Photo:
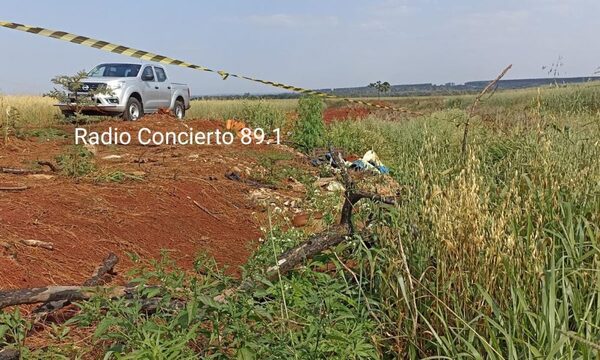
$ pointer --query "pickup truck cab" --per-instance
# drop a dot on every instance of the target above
(135, 90)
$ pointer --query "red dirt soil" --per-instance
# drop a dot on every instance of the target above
(86, 220)
(344, 113)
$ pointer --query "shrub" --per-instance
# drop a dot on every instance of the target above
(310, 128)
(263, 115)
(76, 161)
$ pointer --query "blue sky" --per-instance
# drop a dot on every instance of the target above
(308, 43)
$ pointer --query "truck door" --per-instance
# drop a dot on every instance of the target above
(164, 88)
(149, 89)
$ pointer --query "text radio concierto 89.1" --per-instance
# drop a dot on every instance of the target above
(146, 136)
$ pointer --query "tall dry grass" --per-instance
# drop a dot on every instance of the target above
(496, 255)
(35, 111)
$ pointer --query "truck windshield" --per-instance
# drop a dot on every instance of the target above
(115, 70)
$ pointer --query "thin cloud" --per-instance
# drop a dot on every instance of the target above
(292, 21)
(383, 16)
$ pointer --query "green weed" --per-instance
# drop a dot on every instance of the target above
(77, 161)
(309, 130)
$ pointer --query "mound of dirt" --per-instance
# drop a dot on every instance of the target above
(146, 199)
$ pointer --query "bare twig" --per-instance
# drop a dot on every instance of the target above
(14, 188)
(473, 107)
(52, 167)
(205, 210)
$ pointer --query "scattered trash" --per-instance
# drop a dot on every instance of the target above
(112, 157)
(330, 183)
(336, 186)
(369, 162)
(235, 126)
(37, 243)
(265, 197)
(41, 176)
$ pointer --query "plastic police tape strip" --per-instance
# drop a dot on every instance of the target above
(148, 56)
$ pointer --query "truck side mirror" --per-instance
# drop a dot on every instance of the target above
(147, 77)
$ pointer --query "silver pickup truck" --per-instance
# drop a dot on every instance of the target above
(135, 90)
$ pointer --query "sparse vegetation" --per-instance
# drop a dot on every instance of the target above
(76, 162)
(309, 131)
(262, 114)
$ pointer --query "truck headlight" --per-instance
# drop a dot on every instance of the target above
(116, 85)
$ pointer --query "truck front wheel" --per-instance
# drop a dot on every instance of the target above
(133, 110)
(179, 110)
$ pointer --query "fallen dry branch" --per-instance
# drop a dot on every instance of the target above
(52, 167)
(14, 188)
(38, 243)
(70, 294)
(205, 210)
(51, 293)
(19, 171)
(473, 107)
(105, 268)
(15, 171)
(98, 278)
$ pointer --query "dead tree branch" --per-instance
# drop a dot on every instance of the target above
(97, 278)
(18, 171)
(14, 188)
(52, 167)
(206, 210)
(53, 293)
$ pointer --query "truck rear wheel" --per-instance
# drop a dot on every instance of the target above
(179, 110)
(133, 110)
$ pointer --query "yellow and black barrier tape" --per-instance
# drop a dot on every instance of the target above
(148, 56)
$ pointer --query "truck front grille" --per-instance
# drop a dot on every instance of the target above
(87, 87)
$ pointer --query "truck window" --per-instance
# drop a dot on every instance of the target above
(148, 74)
(115, 70)
(161, 76)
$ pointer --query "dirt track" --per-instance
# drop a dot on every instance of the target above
(85, 220)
